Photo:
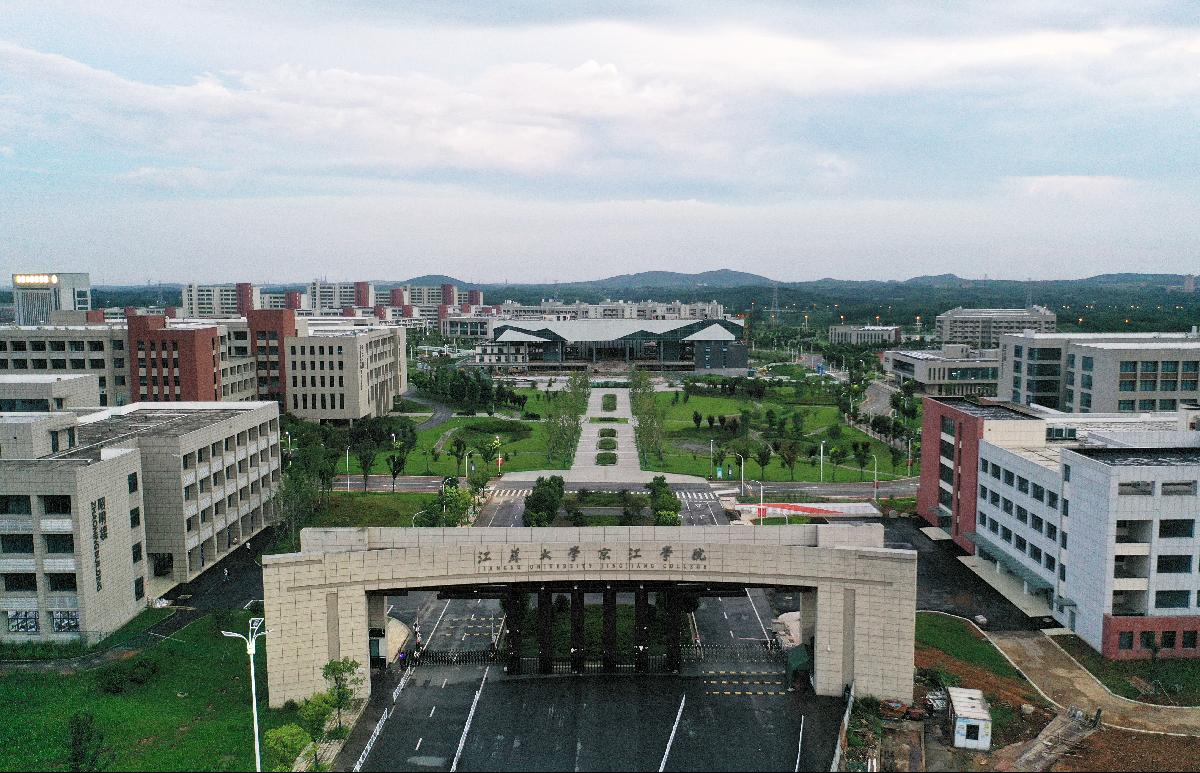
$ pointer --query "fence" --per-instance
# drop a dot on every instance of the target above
(362, 758)
(840, 748)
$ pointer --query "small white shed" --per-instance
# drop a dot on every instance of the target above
(970, 718)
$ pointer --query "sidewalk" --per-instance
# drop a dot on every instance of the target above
(1067, 683)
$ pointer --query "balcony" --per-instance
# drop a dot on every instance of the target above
(1129, 603)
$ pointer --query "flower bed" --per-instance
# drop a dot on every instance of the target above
(606, 458)
(607, 444)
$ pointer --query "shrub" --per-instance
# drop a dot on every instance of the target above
(606, 458)
(608, 432)
(607, 444)
(284, 745)
(115, 679)
(609, 402)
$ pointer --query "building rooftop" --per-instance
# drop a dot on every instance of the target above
(102, 428)
(42, 378)
(968, 703)
(1143, 457)
(961, 311)
(1101, 337)
(617, 329)
(989, 411)
(973, 355)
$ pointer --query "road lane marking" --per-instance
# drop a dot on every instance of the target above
(667, 752)
(470, 718)
(447, 679)
(754, 606)
(800, 744)
(418, 746)
(432, 710)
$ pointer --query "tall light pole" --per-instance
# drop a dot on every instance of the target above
(466, 464)
(710, 457)
(250, 638)
(822, 461)
(762, 509)
(742, 477)
(875, 492)
(347, 469)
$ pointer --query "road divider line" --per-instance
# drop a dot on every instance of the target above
(667, 752)
(470, 718)
(800, 744)
(766, 636)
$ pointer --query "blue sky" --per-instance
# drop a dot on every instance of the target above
(534, 141)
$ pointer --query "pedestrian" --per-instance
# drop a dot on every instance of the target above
(226, 571)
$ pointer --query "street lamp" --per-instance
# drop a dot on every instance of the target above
(710, 457)
(822, 461)
(876, 489)
(347, 469)
(250, 638)
(414, 518)
(742, 484)
(762, 509)
(466, 463)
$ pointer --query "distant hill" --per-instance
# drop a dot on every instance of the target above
(1153, 280)
(668, 279)
(937, 280)
(426, 280)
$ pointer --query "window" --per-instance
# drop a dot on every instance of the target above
(135, 517)
(983, 466)
(1022, 485)
(1009, 478)
(20, 583)
(1125, 640)
(139, 588)
(1036, 523)
(1125, 406)
(16, 543)
(56, 504)
(1038, 493)
(15, 504)
(1189, 637)
(1035, 553)
(972, 732)
(137, 552)
(1136, 488)
(1149, 367)
(59, 543)
(1051, 500)
(1146, 405)
(1147, 638)
(1168, 637)
(1050, 562)
(1172, 599)
(61, 582)
(1176, 528)
(1051, 531)
(1020, 543)
(1174, 564)
(22, 622)
(64, 621)
(1179, 488)
(132, 481)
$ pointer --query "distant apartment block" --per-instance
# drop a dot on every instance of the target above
(102, 512)
(1101, 372)
(955, 369)
(864, 335)
(43, 393)
(1091, 517)
(342, 374)
(37, 296)
(338, 295)
(982, 328)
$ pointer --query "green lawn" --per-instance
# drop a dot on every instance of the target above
(1115, 674)
(361, 508)
(686, 446)
(527, 453)
(781, 520)
(958, 639)
(193, 715)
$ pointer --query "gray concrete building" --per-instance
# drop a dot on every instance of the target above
(102, 511)
(864, 335)
(1101, 372)
(345, 373)
(982, 328)
(37, 296)
(44, 393)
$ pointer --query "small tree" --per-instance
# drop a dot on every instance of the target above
(284, 744)
(861, 452)
(396, 466)
(711, 421)
(344, 680)
(458, 449)
(763, 457)
(314, 716)
(365, 454)
(837, 455)
(789, 453)
(85, 744)
(696, 418)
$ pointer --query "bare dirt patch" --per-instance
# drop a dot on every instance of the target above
(1116, 750)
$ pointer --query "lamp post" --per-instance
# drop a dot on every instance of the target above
(742, 475)
(710, 457)
(250, 638)
(822, 461)
(347, 469)
(762, 509)
(466, 464)
(414, 518)
(875, 491)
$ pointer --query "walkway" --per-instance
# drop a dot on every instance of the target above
(1067, 683)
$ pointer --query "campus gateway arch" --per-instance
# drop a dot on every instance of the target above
(321, 603)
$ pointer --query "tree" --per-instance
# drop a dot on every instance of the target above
(897, 456)
(711, 421)
(789, 453)
(458, 449)
(365, 455)
(295, 501)
(396, 466)
(861, 452)
(763, 457)
(344, 680)
(696, 417)
(85, 745)
(314, 717)
(837, 455)
(719, 456)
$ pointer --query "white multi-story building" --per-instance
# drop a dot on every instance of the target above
(227, 300)
(1101, 372)
(338, 295)
(343, 373)
(37, 296)
(864, 335)
(1093, 516)
(982, 328)
(101, 512)
(955, 369)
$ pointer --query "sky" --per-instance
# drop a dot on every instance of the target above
(523, 141)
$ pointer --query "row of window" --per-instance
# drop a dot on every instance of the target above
(55, 345)
(1146, 488)
(1166, 640)
(56, 363)
(1160, 366)
(1023, 485)
(337, 401)
(303, 381)
(61, 621)
(1150, 385)
(1023, 546)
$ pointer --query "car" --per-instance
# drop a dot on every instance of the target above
(980, 621)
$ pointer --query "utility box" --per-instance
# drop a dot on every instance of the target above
(970, 719)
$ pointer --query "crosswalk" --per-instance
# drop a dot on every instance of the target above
(685, 496)
(748, 683)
